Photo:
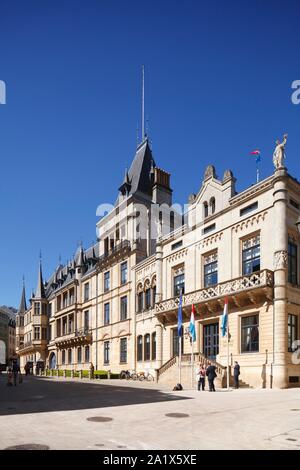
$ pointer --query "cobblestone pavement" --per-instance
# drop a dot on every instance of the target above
(113, 414)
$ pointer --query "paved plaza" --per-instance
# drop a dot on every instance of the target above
(115, 414)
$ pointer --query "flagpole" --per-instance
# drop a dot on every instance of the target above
(192, 377)
(227, 353)
(257, 170)
(179, 359)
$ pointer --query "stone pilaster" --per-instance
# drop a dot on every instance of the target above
(159, 268)
(280, 234)
(159, 344)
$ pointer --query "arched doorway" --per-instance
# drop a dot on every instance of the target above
(52, 361)
(2, 352)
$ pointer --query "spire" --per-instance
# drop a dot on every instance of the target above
(80, 260)
(23, 306)
(40, 290)
(143, 103)
(126, 185)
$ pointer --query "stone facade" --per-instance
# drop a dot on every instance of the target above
(115, 305)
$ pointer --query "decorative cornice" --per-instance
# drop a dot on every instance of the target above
(255, 219)
(210, 240)
(177, 256)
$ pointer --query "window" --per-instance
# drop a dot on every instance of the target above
(69, 356)
(86, 291)
(124, 273)
(37, 332)
(63, 356)
(123, 315)
(208, 229)
(153, 355)
(79, 355)
(70, 324)
(211, 269)
(106, 352)
(251, 255)
(292, 332)
(153, 295)
(123, 350)
(71, 296)
(248, 209)
(87, 354)
(250, 334)
(212, 204)
(172, 221)
(106, 248)
(86, 320)
(178, 280)
(139, 348)
(294, 203)
(64, 325)
(292, 263)
(147, 298)
(147, 347)
(44, 333)
(65, 300)
(140, 302)
(106, 281)
(106, 314)
(176, 245)
(205, 209)
(37, 308)
(58, 305)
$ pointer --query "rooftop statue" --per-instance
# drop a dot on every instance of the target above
(279, 153)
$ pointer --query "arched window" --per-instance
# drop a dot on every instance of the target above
(79, 355)
(205, 209)
(153, 338)
(139, 348)
(172, 221)
(147, 347)
(87, 354)
(212, 204)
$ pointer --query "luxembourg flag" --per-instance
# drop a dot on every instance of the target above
(257, 154)
(224, 325)
(192, 325)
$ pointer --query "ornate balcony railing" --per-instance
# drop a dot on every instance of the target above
(258, 280)
(83, 335)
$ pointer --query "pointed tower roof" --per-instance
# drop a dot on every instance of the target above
(80, 259)
(125, 186)
(139, 173)
(40, 290)
(23, 307)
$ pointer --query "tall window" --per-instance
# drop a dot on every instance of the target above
(123, 350)
(36, 332)
(106, 281)
(205, 209)
(211, 269)
(153, 349)
(123, 315)
(292, 263)
(106, 314)
(106, 352)
(140, 301)
(292, 332)
(251, 255)
(147, 298)
(69, 356)
(71, 296)
(63, 356)
(86, 320)
(37, 308)
(65, 300)
(147, 347)
(250, 334)
(153, 295)
(70, 324)
(86, 291)
(87, 354)
(212, 204)
(79, 355)
(124, 272)
(178, 280)
(139, 348)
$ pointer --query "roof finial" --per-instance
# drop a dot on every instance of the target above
(143, 103)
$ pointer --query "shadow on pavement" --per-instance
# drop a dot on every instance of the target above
(38, 395)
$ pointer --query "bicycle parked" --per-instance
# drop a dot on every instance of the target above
(145, 376)
(127, 374)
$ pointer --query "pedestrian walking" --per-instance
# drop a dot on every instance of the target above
(200, 377)
(211, 375)
(236, 373)
(9, 377)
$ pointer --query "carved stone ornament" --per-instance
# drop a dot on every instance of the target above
(280, 259)
(210, 172)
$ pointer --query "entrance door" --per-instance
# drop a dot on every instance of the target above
(175, 342)
(211, 340)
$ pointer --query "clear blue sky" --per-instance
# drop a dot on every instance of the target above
(218, 85)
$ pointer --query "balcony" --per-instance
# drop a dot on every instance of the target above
(117, 251)
(80, 336)
(251, 289)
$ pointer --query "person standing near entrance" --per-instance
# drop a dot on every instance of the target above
(211, 375)
(236, 373)
(15, 371)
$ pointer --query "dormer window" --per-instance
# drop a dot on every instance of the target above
(212, 204)
(205, 209)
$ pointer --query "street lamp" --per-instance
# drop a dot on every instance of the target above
(298, 224)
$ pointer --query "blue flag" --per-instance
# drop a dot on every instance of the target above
(224, 324)
(180, 316)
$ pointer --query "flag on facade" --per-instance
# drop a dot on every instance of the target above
(180, 316)
(192, 325)
(224, 325)
(257, 155)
